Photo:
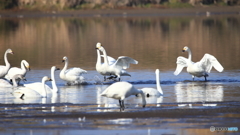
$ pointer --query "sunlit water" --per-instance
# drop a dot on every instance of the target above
(155, 42)
(180, 88)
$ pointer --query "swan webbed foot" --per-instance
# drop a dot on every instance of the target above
(112, 77)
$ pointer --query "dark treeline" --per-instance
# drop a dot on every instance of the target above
(91, 4)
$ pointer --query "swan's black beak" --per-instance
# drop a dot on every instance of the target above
(96, 48)
(183, 50)
(63, 61)
(29, 69)
(49, 79)
(57, 68)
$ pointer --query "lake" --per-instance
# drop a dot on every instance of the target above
(155, 42)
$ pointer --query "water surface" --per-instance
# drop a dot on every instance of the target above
(155, 42)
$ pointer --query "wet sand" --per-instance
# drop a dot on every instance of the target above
(85, 116)
(165, 110)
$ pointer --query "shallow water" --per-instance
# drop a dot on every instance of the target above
(155, 42)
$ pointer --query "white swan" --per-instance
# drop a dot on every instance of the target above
(151, 91)
(25, 92)
(198, 69)
(111, 61)
(101, 67)
(4, 69)
(37, 85)
(6, 83)
(15, 70)
(117, 68)
(122, 90)
(72, 75)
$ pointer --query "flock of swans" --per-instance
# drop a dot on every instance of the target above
(110, 68)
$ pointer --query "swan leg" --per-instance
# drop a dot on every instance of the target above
(205, 78)
(121, 103)
(193, 77)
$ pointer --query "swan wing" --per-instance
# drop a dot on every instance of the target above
(75, 71)
(111, 60)
(28, 93)
(181, 63)
(208, 61)
(124, 62)
(13, 71)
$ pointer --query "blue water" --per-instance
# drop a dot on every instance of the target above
(219, 87)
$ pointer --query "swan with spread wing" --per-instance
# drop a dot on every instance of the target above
(114, 67)
(198, 69)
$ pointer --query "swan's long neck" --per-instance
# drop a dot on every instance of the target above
(143, 98)
(54, 86)
(98, 58)
(23, 66)
(6, 60)
(44, 92)
(189, 55)
(105, 57)
(62, 73)
(158, 84)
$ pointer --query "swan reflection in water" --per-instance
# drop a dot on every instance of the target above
(105, 102)
(198, 92)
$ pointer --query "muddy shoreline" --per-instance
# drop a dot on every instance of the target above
(171, 110)
(126, 12)
(65, 116)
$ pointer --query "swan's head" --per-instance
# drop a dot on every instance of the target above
(9, 51)
(64, 59)
(157, 71)
(54, 68)
(99, 46)
(185, 49)
(26, 64)
(45, 78)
